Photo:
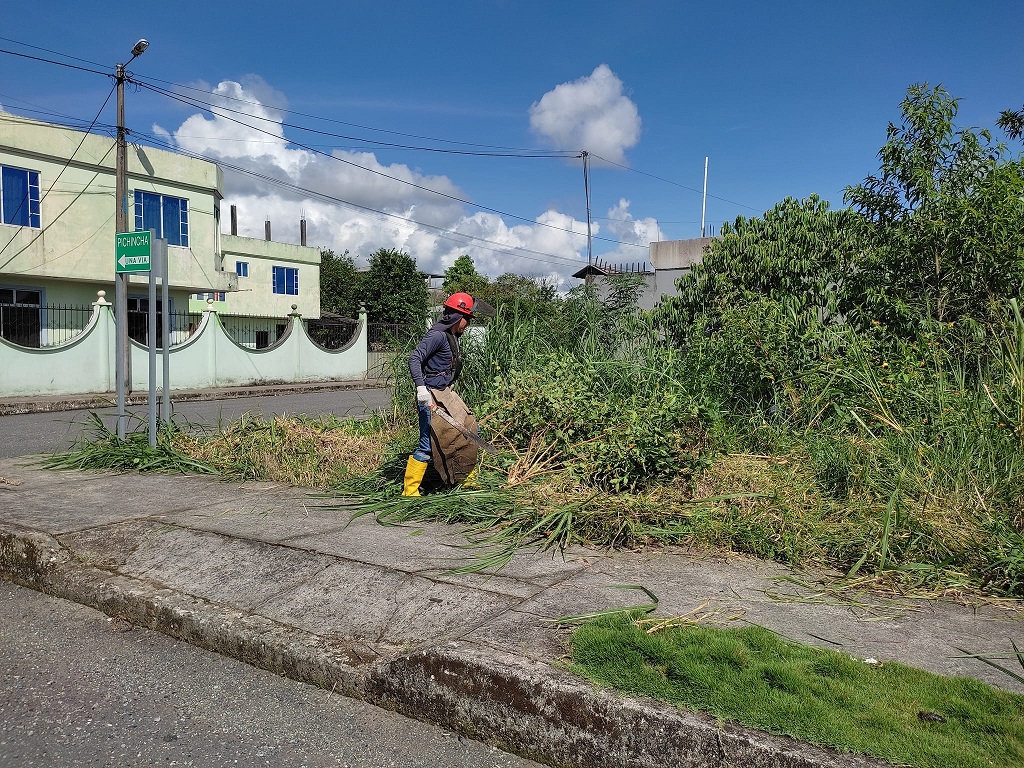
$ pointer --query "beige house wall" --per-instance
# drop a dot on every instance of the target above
(255, 294)
(77, 186)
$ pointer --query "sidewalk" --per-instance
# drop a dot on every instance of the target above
(10, 406)
(263, 573)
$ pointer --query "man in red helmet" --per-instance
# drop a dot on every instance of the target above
(435, 364)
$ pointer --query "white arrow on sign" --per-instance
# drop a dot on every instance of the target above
(126, 260)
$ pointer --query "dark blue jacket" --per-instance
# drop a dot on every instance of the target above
(431, 363)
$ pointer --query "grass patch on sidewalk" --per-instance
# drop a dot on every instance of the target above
(754, 677)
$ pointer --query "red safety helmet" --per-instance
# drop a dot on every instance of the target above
(461, 302)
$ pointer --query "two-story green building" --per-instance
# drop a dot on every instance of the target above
(57, 213)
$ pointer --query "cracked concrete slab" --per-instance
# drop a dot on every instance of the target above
(379, 605)
(207, 565)
(259, 511)
(522, 632)
(104, 499)
(431, 551)
(256, 571)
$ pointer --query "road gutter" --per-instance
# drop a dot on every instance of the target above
(522, 706)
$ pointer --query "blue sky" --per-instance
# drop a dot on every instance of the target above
(787, 99)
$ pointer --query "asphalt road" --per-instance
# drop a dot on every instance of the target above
(81, 689)
(35, 433)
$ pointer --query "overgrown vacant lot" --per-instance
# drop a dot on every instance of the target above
(841, 389)
(837, 388)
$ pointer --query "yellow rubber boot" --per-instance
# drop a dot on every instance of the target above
(414, 471)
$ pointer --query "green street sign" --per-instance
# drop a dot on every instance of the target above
(132, 251)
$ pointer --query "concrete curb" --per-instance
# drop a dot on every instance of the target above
(20, 405)
(519, 705)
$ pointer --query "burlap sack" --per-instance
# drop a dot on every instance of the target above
(454, 455)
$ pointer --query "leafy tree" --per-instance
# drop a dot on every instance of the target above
(510, 287)
(462, 276)
(798, 255)
(948, 216)
(394, 289)
(340, 284)
(1012, 121)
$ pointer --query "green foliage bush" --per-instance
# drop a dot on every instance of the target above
(393, 289)
(589, 417)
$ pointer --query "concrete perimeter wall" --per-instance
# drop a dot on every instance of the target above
(208, 358)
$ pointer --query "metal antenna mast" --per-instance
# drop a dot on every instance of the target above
(704, 202)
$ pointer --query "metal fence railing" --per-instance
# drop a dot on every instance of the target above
(182, 326)
(35, 325)
(47, 325)
(331, 331)
(30, 325)
(255, 331)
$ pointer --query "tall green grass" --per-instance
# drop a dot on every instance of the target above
(895, 459)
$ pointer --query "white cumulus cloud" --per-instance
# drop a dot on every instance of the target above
(592, 113)
(353, 202)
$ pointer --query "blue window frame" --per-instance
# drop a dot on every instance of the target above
(286, 280)
(242, 268)
(166, 215)
(19, 197)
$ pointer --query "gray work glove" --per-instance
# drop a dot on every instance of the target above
(423, 396)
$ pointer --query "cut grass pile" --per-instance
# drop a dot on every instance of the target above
(101, 449)
(769, 506)
(754, 677)
(314, 452)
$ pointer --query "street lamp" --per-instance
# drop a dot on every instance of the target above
(139, 49)
(123, 361)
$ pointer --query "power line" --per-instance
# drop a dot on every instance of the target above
(146, 81)
(510, 151)
(460, 237)
(67, 120)
(47, 50)
(199, 104)
(26, 270)
(674, 183)
(55, 218)
(532, 153)
(630, 221)
(58, 63)
(563, 154)
(342, 122)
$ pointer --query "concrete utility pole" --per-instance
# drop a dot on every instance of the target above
(586, 187)
(122, 368)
